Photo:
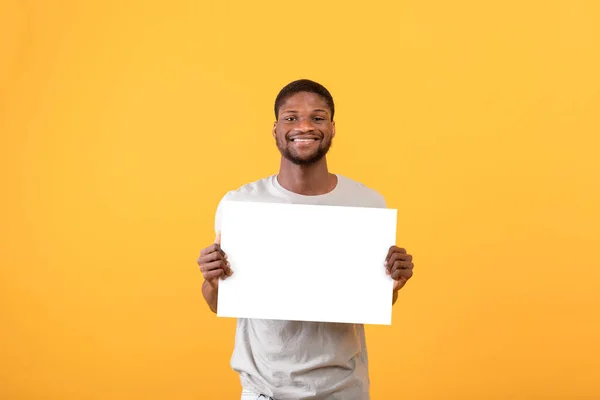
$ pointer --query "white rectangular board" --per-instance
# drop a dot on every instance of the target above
(307, 262)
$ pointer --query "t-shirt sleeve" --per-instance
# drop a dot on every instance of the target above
(377, 200)
(381, 203)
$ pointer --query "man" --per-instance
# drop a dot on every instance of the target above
(291, 359)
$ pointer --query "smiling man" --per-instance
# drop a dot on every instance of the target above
(287, 360)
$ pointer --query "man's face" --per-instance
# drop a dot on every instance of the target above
(304, 128)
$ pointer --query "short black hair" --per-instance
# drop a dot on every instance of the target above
(303, 85)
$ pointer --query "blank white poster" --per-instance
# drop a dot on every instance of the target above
(307, 263)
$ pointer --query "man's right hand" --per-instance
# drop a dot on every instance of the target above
(213, 262)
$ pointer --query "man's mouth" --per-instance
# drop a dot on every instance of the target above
(304, 139)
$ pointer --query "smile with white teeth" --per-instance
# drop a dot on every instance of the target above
(304, 140)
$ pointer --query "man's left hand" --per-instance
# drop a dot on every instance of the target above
(399, 265)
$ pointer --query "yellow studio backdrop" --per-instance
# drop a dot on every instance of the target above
(123, 124)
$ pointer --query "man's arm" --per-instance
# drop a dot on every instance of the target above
(210, 291)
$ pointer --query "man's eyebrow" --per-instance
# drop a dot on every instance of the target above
(315, 110)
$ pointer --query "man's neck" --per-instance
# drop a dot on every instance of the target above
(307, 180)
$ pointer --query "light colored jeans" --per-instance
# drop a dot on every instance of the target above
(247, 395)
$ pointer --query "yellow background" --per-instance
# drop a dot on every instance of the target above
(123, 123)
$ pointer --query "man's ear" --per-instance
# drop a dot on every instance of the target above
(275, 129)
(332, 129)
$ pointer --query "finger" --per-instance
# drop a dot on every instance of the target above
(213, 265)
(213, 274)
(401, 265)
(397, 257)
(227, 269)
(219, 263)
(402, 273)
(214, 256)
(218, 238)
(391, 251)
(212, 248)
(389, 254)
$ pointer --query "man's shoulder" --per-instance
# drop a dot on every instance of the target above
(249, 190)
(259, 190)
(367, 194)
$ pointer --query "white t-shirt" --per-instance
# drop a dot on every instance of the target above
(295, 360)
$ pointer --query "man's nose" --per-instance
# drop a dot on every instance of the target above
(304, 125)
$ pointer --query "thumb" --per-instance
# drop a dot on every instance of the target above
(218, 238)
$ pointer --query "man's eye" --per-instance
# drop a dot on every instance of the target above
(319, 119)
(290, 118)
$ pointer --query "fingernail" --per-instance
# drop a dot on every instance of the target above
(225, 256)
(385, 263)
(228, 264)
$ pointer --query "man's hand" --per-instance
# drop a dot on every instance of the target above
(213, 262)
(213, 265)
(399, 265)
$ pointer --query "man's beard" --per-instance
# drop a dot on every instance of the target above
(290, 155)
